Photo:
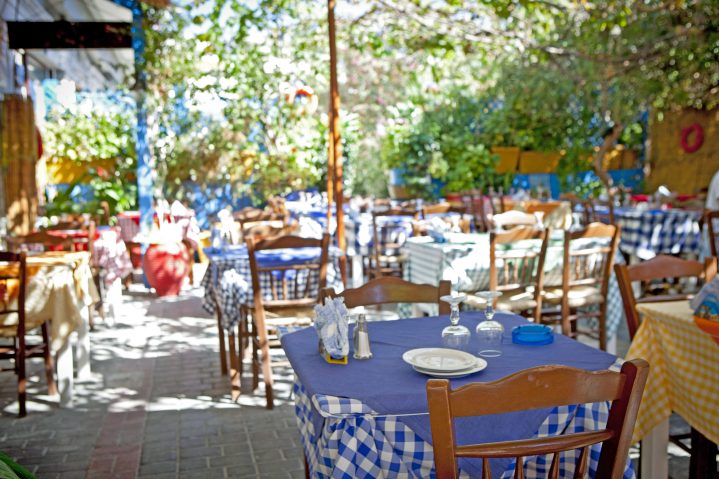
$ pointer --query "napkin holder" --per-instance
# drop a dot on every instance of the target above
(325, 355)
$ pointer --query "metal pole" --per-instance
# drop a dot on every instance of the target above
(335, 138)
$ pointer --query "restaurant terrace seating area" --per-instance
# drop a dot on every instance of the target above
(495, 257)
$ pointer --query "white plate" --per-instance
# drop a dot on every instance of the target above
(481, 364)
(442, 360)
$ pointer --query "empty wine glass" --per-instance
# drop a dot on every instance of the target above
(455, 335)
(489, 331)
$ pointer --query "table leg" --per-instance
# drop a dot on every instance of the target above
(83, 346)
(113, 296)
(612, 345)
(65, 380)
(357, 271)
(654, 452)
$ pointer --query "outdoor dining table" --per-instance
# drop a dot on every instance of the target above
(466, 265)
(646, 233)
(683, 378)
(229, 280)
(60, 288)
(370, 418)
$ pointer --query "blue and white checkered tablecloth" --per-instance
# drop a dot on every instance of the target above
(648, 233)
(344, 438)
(467, 267)
(229, 277)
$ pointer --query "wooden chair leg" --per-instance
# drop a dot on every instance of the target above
(223, 351)
(234, 367)
(266, 368)
(603, 326)
(703, 459)
(21, 376)
(255, 358)
(49, 364)
(566, 326)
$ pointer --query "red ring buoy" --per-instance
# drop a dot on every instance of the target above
(698, 132)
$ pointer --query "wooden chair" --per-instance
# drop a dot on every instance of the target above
(13, 276)
(590, 207)
(387, 257)
(281, 300)
(540, 387)
(444, 209)
(585, 280)
(712, 232)
(542, 207)
(513, 218)
(43, 241)
(661, 267)
(517, 273)
(482, 210)
(391, 290)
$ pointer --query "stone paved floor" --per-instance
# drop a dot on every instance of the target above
(157, 407)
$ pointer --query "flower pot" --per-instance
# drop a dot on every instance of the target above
(166, 266)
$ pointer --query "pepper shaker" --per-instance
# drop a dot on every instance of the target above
(361, 339)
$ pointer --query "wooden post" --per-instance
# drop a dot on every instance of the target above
(336, 140)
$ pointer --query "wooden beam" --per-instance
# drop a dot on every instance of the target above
(62, 34)
(336, 139)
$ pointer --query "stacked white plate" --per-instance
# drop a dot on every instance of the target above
(443, 363)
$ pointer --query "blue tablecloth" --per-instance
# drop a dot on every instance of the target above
(388, 386)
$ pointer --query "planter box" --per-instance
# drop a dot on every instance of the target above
(508, 158)
(538, 162)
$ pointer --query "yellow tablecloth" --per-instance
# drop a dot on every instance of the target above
(59, 287)
(684, 369)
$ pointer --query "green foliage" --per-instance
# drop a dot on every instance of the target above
(441, 142)
(95, 131)
(10, 469)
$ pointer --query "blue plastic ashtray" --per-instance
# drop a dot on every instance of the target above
(532, 334)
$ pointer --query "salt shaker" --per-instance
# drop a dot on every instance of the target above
(361, 339)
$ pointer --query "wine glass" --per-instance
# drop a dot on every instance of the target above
(455, 335)
(489, 331)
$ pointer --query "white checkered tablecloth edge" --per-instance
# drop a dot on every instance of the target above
(354, 441)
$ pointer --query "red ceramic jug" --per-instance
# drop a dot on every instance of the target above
(166, 266)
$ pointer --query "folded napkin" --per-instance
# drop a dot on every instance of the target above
(331, 322)
(706, 303)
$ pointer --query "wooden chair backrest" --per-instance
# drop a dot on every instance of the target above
(657, 268)
(513, 218)
(66, 225)
(520, 267)
(591, 214)
(42, 238)
(383, 231)
(712, 232)
(437, 208)
(286, 281)
(591, 265)
(539, 207)
(13, 274)
(263, 230)
(391, 290)
(540, 387)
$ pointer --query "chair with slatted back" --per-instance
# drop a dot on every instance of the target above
(545, 208)
(39, 240)
(516, 271)
(389, 233)
(14, 326)
(712, 230)
(600, 211)
(535, 388)
(391, 290)
(511, 219)
(662, 268)
(284, 296)
(588, 258)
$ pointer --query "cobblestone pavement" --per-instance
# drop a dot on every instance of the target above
(158, 407)
(155, 407)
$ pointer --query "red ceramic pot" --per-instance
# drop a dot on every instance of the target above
(166, 266)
